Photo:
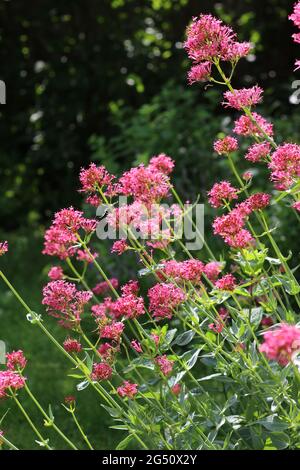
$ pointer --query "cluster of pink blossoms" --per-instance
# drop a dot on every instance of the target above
(95, 179)
(72, 346)
(10, 381)
(61, 238)
(221, 193)
(246, 127)
(56, 273)
(295, 17)
(231, 226)
(65, 302)
(281, 344)
(226, 283)
(127, 389)
(258, 152)
(164, 298)
(16, 360)
(165, 365)
(3, 248)
(285, 166)
(148, 184)
(226, 145)
(103, 287)
(209, 40)
(244, 98)
(101, 371)
(189, 270)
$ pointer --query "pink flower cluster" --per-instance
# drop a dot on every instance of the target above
(295, 17)
(221, 193)
(95, 179)
(65, 302)
(247, 127)
(244, 98)
(61, 238)
(164, 298)
(10, 380)
(226, 283)
(189, 270)
(3, 248)
(104, 287)
(55, 273)
(165, 365)
(101, 371)
(231, 226)
(258, 152)
(72, 346)
(226, 145)
(209, 40)
(148, 184)
(281, 344)
(16, 360)
(285, 166)
(127, 389)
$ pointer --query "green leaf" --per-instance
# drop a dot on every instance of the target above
(272, 423)
(124, 443)
(184, 338)
(82, 385)
(114, 412)
(280, 440)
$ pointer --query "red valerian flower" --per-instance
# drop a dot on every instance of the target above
(285, 166)
(55, 273)
(65, 302)
(258, 152)
(16, 360)
(164, 364)
(227, 283)
(119, 247)
(295, 16)
(226, 145)
(212, 270)
(220, 193)
(93, 179)
(164, 298)
(246, 127)
(3, 248)
(136, 346)
(199, 73)
(101, 371)
(127, 389)
(112, 331)
(176, 389)
(104, 287)
(281, 344)
(244, 98)
(10, 379)
(72, 345)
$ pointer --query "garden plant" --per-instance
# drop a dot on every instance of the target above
(198, 350)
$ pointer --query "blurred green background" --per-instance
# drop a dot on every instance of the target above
(106, 81)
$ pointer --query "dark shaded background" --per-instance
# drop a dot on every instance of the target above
(106, 79)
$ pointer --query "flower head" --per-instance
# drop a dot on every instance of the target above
(65, 302)
(246, 127)
(103, 287)
(119, 247)
(127, 389)
(101, 371)
(226, 145)
(164, 298)
(164, 364)
(199, 73)
(10, 379)
(72, 345)
(227, 283)
(136, 346)
(281, 344)
(244, 98)
(16, 360)
(221, 193)
(258, 152)
(285, 166)
(295, 17)
(55, 273)
(3, 248)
